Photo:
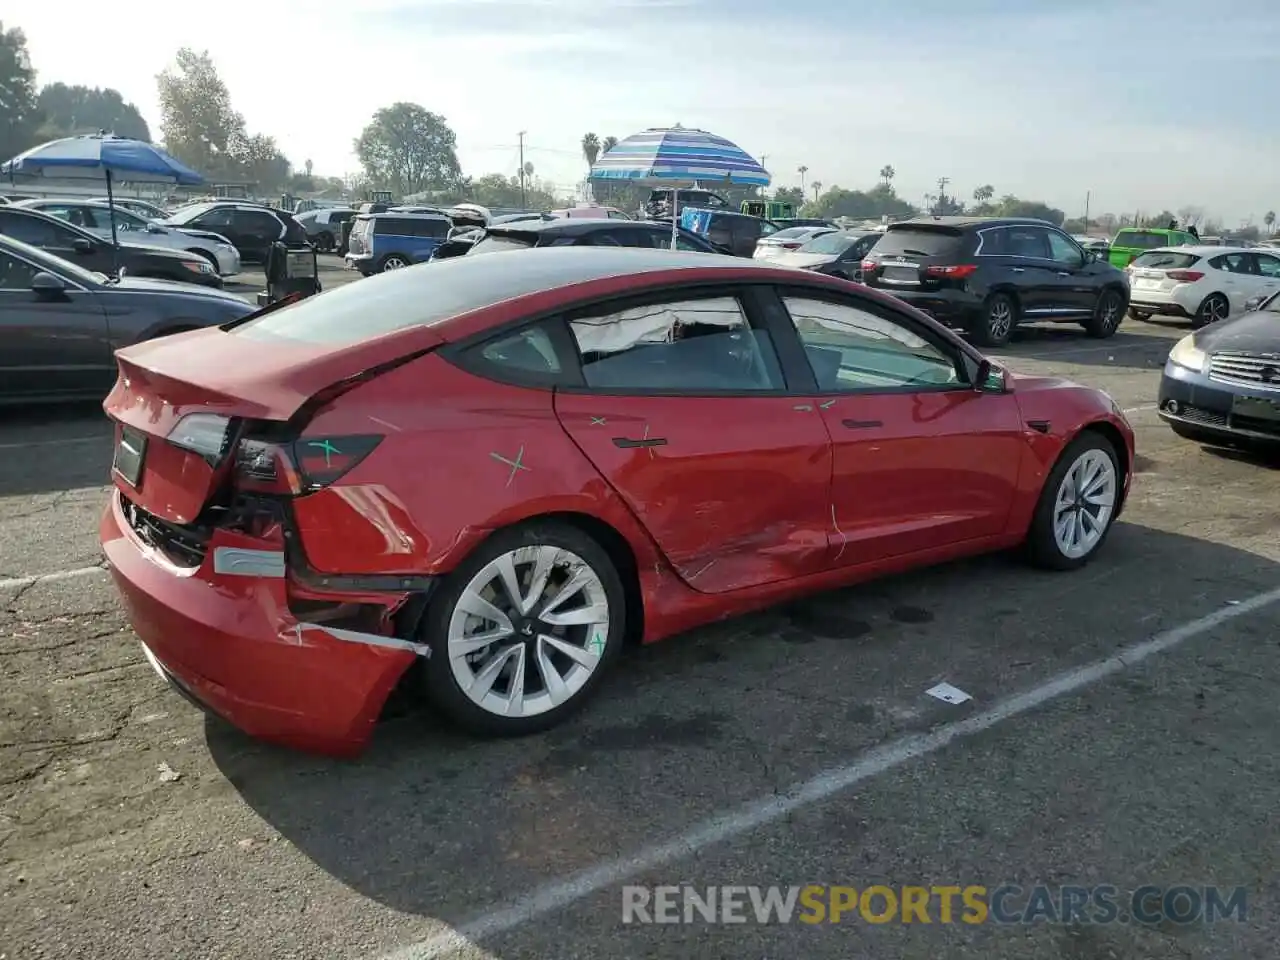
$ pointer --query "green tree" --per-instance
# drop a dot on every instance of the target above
(607, 144)
(196, 118)
(495, 190)
(887, 173)
(984, 193)
(72, 110)
(590, 149)
(19, 113)
(1011, 206)
(407, 149)
(1269, 218)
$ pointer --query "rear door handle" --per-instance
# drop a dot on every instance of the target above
(626, 443)
(1064, 273)
(1018, 269)
(861, 424)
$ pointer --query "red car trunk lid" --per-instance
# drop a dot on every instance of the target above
(220, 373)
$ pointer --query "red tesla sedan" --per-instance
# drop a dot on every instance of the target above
(482, 477)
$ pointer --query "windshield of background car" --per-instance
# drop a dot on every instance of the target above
(496, 243)
(833, 244)
(792, 233)
(920, 242)
(189, 213)
(1140, 239)
(1165, 260)
(56, 265)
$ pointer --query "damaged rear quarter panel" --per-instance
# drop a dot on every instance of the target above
(461, 457)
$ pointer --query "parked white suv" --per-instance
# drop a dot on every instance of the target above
(1205, 283)
(132, 229)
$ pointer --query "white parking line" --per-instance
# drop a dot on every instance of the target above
(1138, 409)
(759, 813)
(53, 443)
(21, 582)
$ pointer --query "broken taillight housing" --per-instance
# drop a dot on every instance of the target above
(300, 467)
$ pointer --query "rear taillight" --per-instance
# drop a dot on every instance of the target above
(1185, 276)
(303, 466)
(205, 434)
(956, 272)
(868, 265)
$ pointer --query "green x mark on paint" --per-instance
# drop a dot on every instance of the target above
(328, 448)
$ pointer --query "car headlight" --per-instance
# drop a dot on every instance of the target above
(198, 266)
(1186, 354)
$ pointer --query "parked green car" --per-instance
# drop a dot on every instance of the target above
(1132, 242)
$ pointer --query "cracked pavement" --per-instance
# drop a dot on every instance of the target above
(1166, 773)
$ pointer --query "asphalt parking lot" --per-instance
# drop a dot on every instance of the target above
(132, 827)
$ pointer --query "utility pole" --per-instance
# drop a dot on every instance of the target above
(1087, 195)
(523, 199)
(942, 192)
(763, 158)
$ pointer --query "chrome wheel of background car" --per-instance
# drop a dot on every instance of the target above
(1084, 504)
(393, 263)
(1000, 318)
(1110, 311)
(1215, 307)
(528, 631)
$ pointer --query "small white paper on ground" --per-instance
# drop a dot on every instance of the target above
(948, 694)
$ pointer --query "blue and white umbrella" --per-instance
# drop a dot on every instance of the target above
(679, 156)
(99, 156)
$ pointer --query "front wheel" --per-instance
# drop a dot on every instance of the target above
(1108, 312)
(523, 631)
(1077, 505)
(994, 324)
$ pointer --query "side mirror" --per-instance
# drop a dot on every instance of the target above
(82, 246)
(990, 378)
(47, 284)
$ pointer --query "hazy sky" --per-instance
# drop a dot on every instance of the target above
(1145, 104)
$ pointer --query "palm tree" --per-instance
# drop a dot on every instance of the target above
(802, 169)
(608, 144)
(984, 193)
(887, 173)
(816, 186)
(1269, 219)
(590, 148)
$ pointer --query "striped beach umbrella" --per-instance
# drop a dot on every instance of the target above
(671, 155)
(678, 157)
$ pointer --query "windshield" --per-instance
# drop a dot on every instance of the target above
(1165, 260)
(830, 243)
(1141, 240)
(496, 243)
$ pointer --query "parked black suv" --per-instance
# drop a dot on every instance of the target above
(567, 231)
(90, 252)
(988, 274)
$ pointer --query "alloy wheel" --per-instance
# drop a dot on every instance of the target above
(1083, 507)
(1215, 308)
(1111, 311)
(393, 263)
(528, 631)
(1000, 319)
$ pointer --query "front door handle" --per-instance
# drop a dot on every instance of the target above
(861, 424)
(626, 443)
(1018, 269)
(1064, 273)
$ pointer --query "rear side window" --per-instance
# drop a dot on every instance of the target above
(1141, 239)
(393, 227)
(1232, 263)
(1166, 261)
(920, 242)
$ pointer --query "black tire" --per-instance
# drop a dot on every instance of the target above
(1137, 314)
(1108, 313)
(996, 321)
(386, 262)
(441, 687)
(1041, 545)
(1214, 308)
(324, 242)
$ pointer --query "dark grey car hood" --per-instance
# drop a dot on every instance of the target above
(173, 288)
(151, 251)
(1257, 332)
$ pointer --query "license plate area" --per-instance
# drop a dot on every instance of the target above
(1256, 408)
(901, 274)
(131, 450)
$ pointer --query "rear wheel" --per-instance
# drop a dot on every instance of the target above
(1214, 308)
(524, 630)
(1077, 504)
(393, 261)
(1108, 312)
(994, 324)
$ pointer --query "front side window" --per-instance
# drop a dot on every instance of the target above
(1268, 265)
(1063, 250)
(852, 350)
(15, 274)
(688, 346)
